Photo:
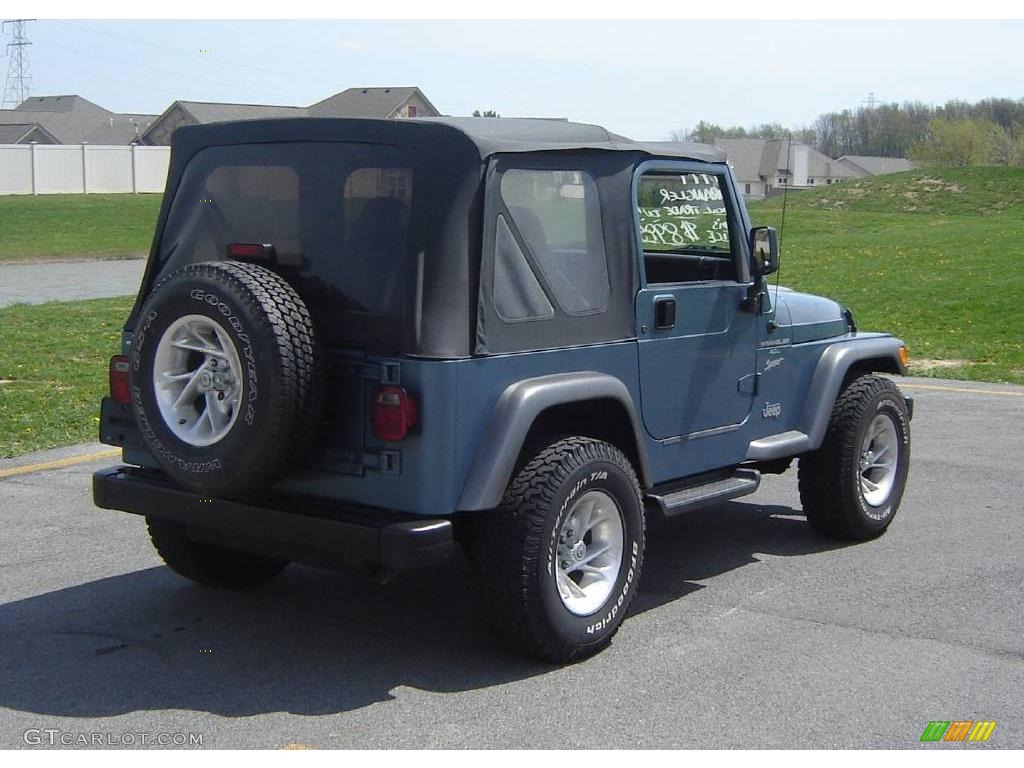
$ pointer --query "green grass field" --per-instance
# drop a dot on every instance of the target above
(930, 255)
(53, 371)
(72, 226)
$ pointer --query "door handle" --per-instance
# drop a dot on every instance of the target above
(664, 313)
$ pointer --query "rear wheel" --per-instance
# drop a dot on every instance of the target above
(852, 486)
(207, 564)
(558, 563)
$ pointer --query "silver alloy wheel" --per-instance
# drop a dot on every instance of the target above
(197, 380)
(879, 458)
(590, 546)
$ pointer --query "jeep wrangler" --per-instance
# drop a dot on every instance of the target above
(384, 341)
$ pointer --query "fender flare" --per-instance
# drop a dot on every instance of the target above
(513, 416)
(831, 370)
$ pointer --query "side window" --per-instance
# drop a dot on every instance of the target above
(558, 216)
(684, 228)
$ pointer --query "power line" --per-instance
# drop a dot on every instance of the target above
(93, 55)
(140, 86)
(205, 57)
(17, 85)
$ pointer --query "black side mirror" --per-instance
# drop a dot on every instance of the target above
(764, 246)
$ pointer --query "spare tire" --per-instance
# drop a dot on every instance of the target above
(226, 376)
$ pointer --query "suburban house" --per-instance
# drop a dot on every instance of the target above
(866, 165)
(762, 165)
(381, 102)
(69, 120)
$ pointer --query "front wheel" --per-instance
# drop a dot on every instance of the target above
(851, 487)
(558, 563)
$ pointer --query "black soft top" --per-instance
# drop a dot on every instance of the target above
(493, 135)
(488, 135)
(452, 161)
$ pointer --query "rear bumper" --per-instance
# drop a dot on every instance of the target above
(307, 531)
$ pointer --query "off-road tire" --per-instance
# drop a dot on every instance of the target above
(282, 375)
(513, 551)
(207, 564)
(829, 478)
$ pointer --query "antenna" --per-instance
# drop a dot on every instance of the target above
(782, 229)
(17, 85)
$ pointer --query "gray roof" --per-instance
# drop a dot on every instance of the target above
(754, 159)
(818, 165)
(524, 134)
(63, 103)
(16, 133)
(216, 112)
(876, 166)
(354, 102)
(365, 102)
(125, 129)
(745, 156)
(73, 120)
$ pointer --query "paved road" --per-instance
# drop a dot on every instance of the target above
(749, 630)
(68, 281)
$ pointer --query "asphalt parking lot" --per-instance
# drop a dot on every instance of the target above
(749, 630)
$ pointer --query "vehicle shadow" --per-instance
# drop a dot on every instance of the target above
(315, 642)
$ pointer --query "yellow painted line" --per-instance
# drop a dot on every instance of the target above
(937, 388)
(70, 461)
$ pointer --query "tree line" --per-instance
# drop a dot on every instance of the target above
(990, 131)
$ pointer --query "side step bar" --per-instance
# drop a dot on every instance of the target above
(702, 491)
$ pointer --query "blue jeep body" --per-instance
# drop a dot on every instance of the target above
(687, 377)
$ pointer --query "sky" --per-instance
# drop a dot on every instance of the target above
(642, 79)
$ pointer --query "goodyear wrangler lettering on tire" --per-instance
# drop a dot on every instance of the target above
(253, 390)
(226, 386)
(140, 337)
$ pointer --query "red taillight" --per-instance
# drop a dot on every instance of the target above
(394, 413)
(120, 385)
(250, 251)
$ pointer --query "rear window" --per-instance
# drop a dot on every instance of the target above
(340, 211)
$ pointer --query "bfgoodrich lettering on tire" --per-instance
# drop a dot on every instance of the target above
(558, 563)
(851, 487)
(226, 376)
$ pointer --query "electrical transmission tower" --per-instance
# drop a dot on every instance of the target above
(18, 82)
(871, 101)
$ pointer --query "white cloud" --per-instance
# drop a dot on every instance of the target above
(348, 44)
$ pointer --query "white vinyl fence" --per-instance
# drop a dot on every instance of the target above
(46, 169)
